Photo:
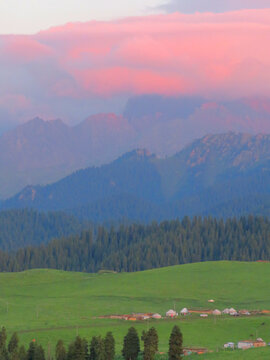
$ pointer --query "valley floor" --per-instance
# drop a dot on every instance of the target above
(47, 305)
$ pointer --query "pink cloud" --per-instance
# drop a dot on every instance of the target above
(258, 104)
(213, 55)
(24, 49)
(167, 54)
(116, 80)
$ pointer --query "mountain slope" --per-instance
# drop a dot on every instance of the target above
(41, 152)
(134, 173)
(211, 171)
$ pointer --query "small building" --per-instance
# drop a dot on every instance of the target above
(245, 344)
(229, 345)
(184, 311)
(200, 311)
(259, 343)
(203, 316)
(230, 311)
(211, 301)
(142, 316)
(171, 313)
(216, 312)
(248, 344)
(156, 316)
(244, 312)
(190, 351)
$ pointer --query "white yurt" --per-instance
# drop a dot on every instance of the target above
(171, 313)
(204, 315)
(156, 316)
(184, 311)
(216, 312)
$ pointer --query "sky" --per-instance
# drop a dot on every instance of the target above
(69, 59)
(31, 16)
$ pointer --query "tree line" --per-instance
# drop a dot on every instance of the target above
(97, 349)
(139, 247)
(20, 228)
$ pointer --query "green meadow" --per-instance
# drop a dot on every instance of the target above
(47, 305)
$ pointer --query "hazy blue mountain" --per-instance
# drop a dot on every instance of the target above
(224, 175)
(42, 152)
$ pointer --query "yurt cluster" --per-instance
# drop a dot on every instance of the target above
(174, 314)
(205, 313)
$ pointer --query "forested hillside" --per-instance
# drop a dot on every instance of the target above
(140, 247)
(20, 228)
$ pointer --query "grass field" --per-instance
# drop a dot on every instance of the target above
(48, 305)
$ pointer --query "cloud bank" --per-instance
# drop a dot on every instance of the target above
(73, 70)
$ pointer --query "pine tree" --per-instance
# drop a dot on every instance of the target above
(85, 346)
(131, 346)
(4, 354)
(31, 351)
(13, 343)
(175, 344)
(94, 348)
(3, 338)
(79, 349)
(71, 351)
(150, 339)
(154, 338)
(109, 344)
(39, 353)
(22, 353)
(14, 356)
(60, 351)
(97, 349)
(101, 354)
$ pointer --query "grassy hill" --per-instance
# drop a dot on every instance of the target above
(48, 304)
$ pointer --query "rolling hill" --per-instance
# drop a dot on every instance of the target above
(220, 175)
(48, 305)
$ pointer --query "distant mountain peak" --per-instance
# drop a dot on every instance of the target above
(237, 149)
(143, 153)
(137, 154)
(38, 122)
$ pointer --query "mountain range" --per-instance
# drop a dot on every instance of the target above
(221, 175)
(42, 152)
